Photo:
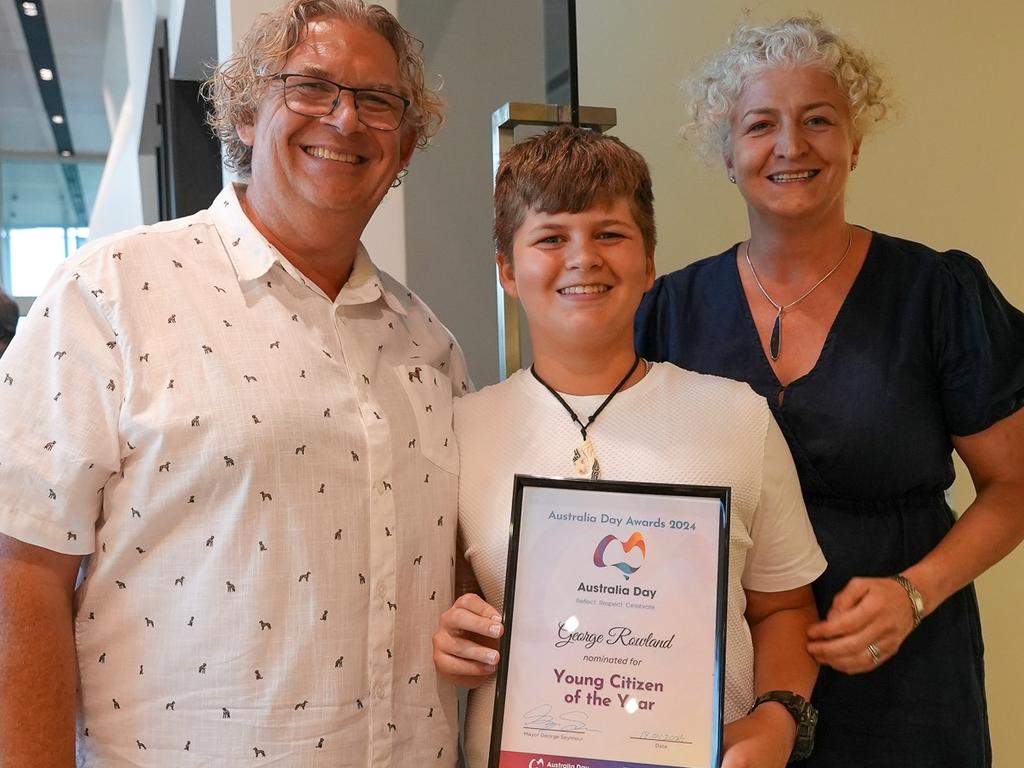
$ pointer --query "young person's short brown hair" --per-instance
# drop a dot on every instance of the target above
(570, 170)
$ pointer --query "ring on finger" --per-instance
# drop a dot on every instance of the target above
(876, 654)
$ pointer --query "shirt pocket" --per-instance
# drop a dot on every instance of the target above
(430, 395)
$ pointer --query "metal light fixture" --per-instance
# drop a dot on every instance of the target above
(66, 153)
(45, 73)
(30, 9)
(57, 119)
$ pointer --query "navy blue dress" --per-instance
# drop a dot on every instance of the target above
(924, 347)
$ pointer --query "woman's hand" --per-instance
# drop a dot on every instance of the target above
(762, 739)
(868, 614)
(466, 640)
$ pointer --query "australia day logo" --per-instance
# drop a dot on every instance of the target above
(611, 548)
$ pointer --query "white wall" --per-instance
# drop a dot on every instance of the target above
(487, 52)
(119, 200)
(191, 38)
(946, 172)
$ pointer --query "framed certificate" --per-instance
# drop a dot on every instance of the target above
(614, 644)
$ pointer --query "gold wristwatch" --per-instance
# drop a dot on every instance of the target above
(916, 601)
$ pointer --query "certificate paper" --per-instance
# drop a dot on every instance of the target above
(615, 600)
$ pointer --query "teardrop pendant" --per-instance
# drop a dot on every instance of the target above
(775, 345)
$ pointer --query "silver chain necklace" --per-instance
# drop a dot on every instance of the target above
(775, 344)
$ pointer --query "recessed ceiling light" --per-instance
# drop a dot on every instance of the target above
(65, 153)
(29, 9)
(45, 74)
(57, 119)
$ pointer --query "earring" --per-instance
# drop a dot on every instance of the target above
(398, 179)
(853, 165)
(732, 179)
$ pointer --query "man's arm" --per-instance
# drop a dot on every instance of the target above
(38, 669)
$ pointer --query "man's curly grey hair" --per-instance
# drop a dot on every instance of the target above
(801, 41)
(236, 86)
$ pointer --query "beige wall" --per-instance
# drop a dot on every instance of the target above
(947, 171)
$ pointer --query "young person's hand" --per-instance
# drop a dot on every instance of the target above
(466, 641)
(762, 739)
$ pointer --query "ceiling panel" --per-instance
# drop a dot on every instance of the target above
(25, 130)
(10, 30)
(22, 112)
(37, 193)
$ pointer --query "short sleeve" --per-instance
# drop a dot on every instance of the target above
(979, 346)
(60, 400)
(785, 553)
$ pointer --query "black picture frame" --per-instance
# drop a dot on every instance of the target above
(524, 482)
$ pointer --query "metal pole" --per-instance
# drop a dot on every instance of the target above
(574, 75)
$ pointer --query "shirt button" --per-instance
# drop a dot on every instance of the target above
(381, 691)
(382, 590)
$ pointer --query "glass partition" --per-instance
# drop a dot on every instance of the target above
(39, 228)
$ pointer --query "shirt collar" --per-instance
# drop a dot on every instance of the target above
(366, 284)
(253, 256)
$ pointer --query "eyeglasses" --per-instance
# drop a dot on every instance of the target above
(318, 97)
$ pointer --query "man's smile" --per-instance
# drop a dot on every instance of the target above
(327, 154)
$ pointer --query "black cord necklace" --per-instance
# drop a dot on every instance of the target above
(584, 458)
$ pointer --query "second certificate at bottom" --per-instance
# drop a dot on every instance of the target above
(614, 614)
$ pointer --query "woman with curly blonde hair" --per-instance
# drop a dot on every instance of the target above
(878, 356)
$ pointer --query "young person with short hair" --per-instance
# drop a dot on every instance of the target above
(575, 237)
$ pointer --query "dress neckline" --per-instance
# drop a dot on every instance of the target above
(748, 316)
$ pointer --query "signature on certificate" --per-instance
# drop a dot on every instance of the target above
(541, 718)
(673, 738)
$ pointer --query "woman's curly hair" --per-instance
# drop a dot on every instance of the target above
(802, 41)
(236, 86)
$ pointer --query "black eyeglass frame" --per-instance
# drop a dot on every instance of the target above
(283, 77)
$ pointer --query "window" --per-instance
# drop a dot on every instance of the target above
(43, 216)
(35, 252)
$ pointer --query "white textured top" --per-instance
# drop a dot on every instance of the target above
(266, 482)
(674, 426)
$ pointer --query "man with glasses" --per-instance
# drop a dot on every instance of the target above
(242, 429)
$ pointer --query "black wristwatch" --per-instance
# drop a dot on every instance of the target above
(803, 712)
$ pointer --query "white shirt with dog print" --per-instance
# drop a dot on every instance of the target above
(264, 484)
